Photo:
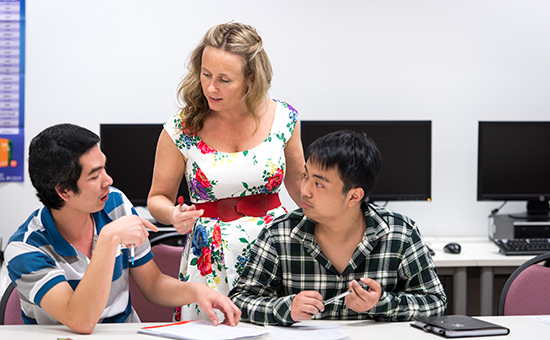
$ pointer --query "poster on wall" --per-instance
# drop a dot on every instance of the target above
(12, 80)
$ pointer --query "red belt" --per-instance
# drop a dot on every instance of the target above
(230, 209)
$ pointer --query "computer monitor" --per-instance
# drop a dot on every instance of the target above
(130, 151)
(406, 150)
(514, 165)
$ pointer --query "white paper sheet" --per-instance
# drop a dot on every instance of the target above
(300, 331)
(543, 319)
(204, 330)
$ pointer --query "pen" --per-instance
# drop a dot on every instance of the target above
(132, 254)
(180, 202)
(331, 300)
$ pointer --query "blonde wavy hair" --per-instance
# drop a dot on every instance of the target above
(235, 38)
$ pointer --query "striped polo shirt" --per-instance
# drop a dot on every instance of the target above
(38, 258)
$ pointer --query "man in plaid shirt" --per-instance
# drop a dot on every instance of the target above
(337, 242)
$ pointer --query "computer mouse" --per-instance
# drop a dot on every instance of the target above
(452, 248)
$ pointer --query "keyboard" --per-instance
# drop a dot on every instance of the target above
(524, 246)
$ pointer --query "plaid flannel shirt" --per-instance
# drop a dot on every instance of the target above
(286, 260)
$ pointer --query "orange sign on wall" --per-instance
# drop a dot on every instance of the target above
(5, 152)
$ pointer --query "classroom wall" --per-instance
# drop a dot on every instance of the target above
(451, 62)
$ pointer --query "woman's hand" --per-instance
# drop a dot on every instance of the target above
(208, 299)
(183, 217)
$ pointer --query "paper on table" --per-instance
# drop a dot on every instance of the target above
(204, 330)
(298, 331)
(543, 319)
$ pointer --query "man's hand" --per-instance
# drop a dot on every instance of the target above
(208, 299)
(306, 304)
(362, 300)
(128, 230)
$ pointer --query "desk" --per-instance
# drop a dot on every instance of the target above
(476, 252)
(521, 327)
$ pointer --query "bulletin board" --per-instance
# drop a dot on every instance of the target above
(12, 80)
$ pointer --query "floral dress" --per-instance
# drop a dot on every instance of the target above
(216, 251)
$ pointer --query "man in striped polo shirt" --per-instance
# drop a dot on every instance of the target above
(70, 260)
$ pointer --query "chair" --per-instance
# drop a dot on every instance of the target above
(167, 257)
(10, 307)
(527, 291)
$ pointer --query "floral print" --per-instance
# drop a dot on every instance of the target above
(200, 187)
(293, 115)
(268, 219)
(275, 180)
(216, 236)
(242, 259)
(201, 178)
(272, 179)
(205, 149)
(216, 251)
(200, 240)
(204, 263)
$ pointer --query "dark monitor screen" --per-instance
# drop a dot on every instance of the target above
(514, 163)
(406, 150)
(130, 151)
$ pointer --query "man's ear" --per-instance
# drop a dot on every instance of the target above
(356, 196)
(63, 193)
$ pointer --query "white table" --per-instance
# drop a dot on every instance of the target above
(521, 327)
(476, 252)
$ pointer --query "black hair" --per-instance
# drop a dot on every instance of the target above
(353, 154)
(54, 159)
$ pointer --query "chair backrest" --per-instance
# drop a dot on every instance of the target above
(168, 259)
(527, 291)
(10, 307)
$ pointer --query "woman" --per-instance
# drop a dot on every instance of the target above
(234, 146)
